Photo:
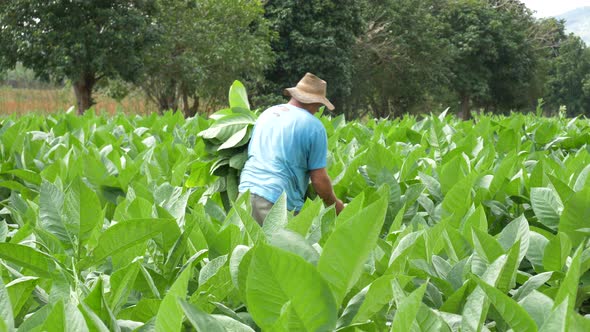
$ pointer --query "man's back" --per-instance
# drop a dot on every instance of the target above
(286, 144)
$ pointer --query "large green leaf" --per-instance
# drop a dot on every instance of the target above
(558, 320)
(75, 320)
(556, 252)
(20, 291)
(27, 175)
(403, 248)
(486, 245)
(564, 191)
(367, 302)
(29, 258)
(456, 245)
(180, 247)
(234, 264)
(507, 278)
(452, 173)
(82, 211)
(476, 307)
(547, 206)
(36, 320)
(215, 284)
(455, 302)
(252, 227)
(516, 230)
(242, 274)
(6, 311)
(568, 289)
(303, 221)
(510, 311)
(200, 320)
(348, 248)
(92, 320)
(51, 218)
(536, 252)
(575, 216)
(295, 243)
(538, 306)
(204, 322)
(55, 320)
(407, 310)
(276, 218)
(95, 304)
(169, 317)
(582, 180)
(458, 200)
(235, 140)
(212, 268)
(129, 233)
(532, 284)
(477, 220)
(122, 282)
(238, 96)
(224, 128)
(278, 280)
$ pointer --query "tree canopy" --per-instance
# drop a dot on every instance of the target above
(83, 41)
(380, 58)
(203, 46)
(313, 36)
(400, 59)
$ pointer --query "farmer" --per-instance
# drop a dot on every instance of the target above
(287, 149)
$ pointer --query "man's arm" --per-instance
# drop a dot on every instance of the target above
(323, 187)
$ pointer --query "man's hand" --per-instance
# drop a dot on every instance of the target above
(339, 206)
(323, 187)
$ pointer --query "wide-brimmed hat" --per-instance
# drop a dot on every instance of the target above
(311, 89)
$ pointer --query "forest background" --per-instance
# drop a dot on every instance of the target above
(381, 58)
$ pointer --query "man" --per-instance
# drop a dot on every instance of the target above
(288, 149)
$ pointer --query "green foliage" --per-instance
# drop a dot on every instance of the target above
(313, 36)
(226, 140)
(202, 46)
(485, 37)
(411, 56)
(400, 58)
(82, 41)
(275, 281)
(569, 76)
(380, 57)
(115, 223)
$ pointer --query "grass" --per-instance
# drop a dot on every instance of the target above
(45, 101)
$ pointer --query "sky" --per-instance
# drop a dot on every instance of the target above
(546, 8)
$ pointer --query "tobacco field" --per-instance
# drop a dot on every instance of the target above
(117, 223)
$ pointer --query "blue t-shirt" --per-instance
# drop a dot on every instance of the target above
(287, 142)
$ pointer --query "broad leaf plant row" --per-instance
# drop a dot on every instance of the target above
(133, 223)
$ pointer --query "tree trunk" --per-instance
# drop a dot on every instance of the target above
(83, 91)
(167, 102)
(168, 96)
(465, 114)
(188, 109)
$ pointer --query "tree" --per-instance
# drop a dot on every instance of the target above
(83, 41)
(494, 58)
(546, 35)
(203, 46)
(400, 59)
(313, 36)
(568, 80)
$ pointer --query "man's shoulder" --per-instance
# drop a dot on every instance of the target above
(282, 107)
(273, 110)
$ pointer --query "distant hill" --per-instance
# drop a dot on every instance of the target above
(578, 22)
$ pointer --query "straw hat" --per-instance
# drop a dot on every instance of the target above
(311, 89)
